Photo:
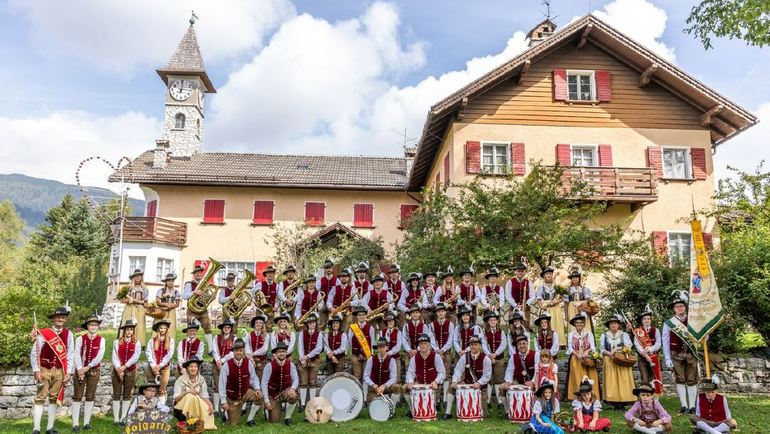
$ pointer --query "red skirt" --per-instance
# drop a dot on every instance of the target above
(601, 423)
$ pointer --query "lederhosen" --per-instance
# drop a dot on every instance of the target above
(89, 349)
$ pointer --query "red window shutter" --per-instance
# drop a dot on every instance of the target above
(152, 208)
(263, 212)
(314, 213)
(363, 215)
(406, 212)
(560, 92)
(563, 155)
(660, 242)
(603, 86)
(655, 160)
(259, 267)
(708, 240)
(605, 155)
(205, 264)
(518, 162)
(446, 170)
(472, 157)
(698, 156)
(213, 211)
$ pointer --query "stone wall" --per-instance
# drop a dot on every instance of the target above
(17, 385)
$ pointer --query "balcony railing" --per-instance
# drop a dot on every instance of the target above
(154, 229)
(617, 184)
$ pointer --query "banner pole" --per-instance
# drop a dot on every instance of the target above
(706, 358)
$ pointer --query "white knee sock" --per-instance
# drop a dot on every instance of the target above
(216, 402)
(88, 409)
(52, 415)
(253, 411)
(681, 391)
(116, 410)
(313, 392)
(450, 400)
(75, 411)
(705, 427)
(37, 416)
(124, 409)
(290, 410)
(489, 394)
(644, 429)
(722, 427)
(302, 395)
(692, 395)
(497, 393)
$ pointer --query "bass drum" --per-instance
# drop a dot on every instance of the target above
(344, 392)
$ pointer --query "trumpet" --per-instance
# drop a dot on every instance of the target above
(315, 308)
(240, 299)
(200, 304)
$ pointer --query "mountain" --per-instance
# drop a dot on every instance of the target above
(32, 197)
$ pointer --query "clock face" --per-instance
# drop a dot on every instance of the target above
(180, 90)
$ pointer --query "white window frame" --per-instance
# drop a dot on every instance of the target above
(132, 264)
(163, 267)
(582, 72)
(688, 163)
(233, 267)
(672, 258)
(593, 148)
(495, 168)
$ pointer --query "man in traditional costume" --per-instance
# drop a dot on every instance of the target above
(279, 384)
(89, 352)
(712, 414)
(473, 369)
(239, 381)
(679, 355)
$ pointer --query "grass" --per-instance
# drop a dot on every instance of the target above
(752, 414)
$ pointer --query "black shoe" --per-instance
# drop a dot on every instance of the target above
(37, 431)
(302, 408)
(250, 423)
(692, 410)
(500, 407)
(489, 406)
(446, 416)
(288, 422)
(86, 427)
(76, 428)
(366, 404)
(683, 410)
(52, 431)
(408, 414)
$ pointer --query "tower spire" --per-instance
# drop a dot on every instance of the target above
(187, 59)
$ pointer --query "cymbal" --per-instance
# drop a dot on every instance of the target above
(318, 410)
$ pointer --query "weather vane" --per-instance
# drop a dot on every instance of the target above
(547, 12)
(193, 18)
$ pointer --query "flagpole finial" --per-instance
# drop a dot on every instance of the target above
(193, 18)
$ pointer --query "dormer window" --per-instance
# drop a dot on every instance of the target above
(581, 85)
(179, 121)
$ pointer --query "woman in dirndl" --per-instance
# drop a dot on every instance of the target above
(134, 302)
(578, 294)
(167, 298)
(552, 303)
(191, 396)
(580, 348)
(543, 410)
(617, 381)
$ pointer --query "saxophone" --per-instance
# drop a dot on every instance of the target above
(200, 304)
(315, 308)
(379, 312)
(240, 299)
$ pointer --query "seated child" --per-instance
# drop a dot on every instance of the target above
(647, 415)
(712, 415)
(544, 408)
(586, 408)
(147, 399)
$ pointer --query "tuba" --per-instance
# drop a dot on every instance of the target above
(200, 304)
(290, 293)
(240, 299)
(260, 300)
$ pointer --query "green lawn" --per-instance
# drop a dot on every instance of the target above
(752, 413)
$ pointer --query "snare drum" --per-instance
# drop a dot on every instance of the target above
(344, 392)
(520, 404)
(469, 405)
(423, 403)
(381, 409)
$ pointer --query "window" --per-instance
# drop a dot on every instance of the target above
(584, 156)
(406, 211)
(179, 121)
(213, 211)
(165, 266)
(581, 85)
(315, 213)
(495, 158)
(263, 212)
(679, 247)
(136, 263)
(677, 163)
(234, 267)
(152, 208)
(363, 215)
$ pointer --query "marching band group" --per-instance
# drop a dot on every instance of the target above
(428, 337)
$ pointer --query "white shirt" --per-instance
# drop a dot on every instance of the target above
(343, 343)
(180, 356)
(458, 337)
(508, 377)
(187, 292)
(268, 372)
(365, 299)
(372, 341)
(368, 372)
(459, 372)
(301, 297)
(150, 353)
(292, 340)
(654, 348)
(79, 351)
(333, 291)
(437, 362)
(546, 290)
(225, 371)
(385, 333)
(131, 360)
(499, 290)
(259, 351)
(402, 306)
(554, 343)
(408, 344)
(319, 345)
(476, 295)
(280, 295)
(500, 350)
(574, 334)
(224, 298)
(215, 351)
(37, 346)
(450, 336)
(509, 294)
(667, 340)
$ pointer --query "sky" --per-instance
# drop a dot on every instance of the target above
(301, 76)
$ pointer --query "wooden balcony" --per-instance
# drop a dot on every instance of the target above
(630, 185)
(153, 229)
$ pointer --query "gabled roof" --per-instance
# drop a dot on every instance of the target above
(265, 170)
(723, 117)
(187, 60)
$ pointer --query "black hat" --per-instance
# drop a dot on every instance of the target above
(150, 384)
(193, 324)
(239, 344)
(586, 385)
(89, 320)
(414, 307)
(280, 346)
(230, 276)
(262, 317)
(312, 317)
(462, 310)
(646, 312)
(169, 276)
(546, 385)
(474, 340)
(428, 273)
(160, 322)
(516, 315)
(191, 360)
(382, 342)
(520, 337)
(423, 338)
(280, 316)
(290, 268)
(576, 318)
(390, 316)
(376, 277)
(269, 269)
(490, 314)
(363, 267)
(542, 317)
(61, 310)
(710, 385)
(520, 266)
(546, 270)
(574, 273)
(360, 309)
(137, 272)
(395, 268)
(310, 278)
(644, 388)
(679, 297)
(328, 263)
(227, 322)
(345, 272)
(614, 318)
(130, 323)
(413, 276)
(492, 272)
(440, 306)
(195, 269)
(468, 270)
(337, 318)
(449, 271)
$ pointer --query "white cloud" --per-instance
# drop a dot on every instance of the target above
(122, 35)
(640, 20)
(746, 150)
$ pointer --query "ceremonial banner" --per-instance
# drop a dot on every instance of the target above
(60, 350)
(704, 312)
(366, 346)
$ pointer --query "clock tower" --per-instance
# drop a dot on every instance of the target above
(186, 87)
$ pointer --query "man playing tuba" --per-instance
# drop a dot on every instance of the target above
(190, 289)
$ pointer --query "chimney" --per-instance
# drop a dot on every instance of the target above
(160, 154)
(541, 32)
(409, 153)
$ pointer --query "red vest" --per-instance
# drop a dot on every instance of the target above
(309, 342)
(653, 335)
(126, 349)
(493, 339)
(413, 295)
(425, 369)
(414, 332)
(363, 287)
(380, 370)
(712, 411)
(335, 340)
(257, 341)
(392, 338)
(162, 349)
(190, 349)
(355, 345)
(519, 290)
(446, 293)
(497, 290)
(442, 332)
(377, 299)
(270, 290)
(465, 335)
(309, 300)
(477, 366)
(327, 284)
(48, 358)
(281, 336)
(675, 343)
(225, 345)
(529, 366)
(467, 293)
(546, 341)
(341, 293)
(237, 382)
(89, 348)
(227, 291)
(396, 287)
(280, 377)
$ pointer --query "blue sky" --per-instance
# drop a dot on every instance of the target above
(298, 76)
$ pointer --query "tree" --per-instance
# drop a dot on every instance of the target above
(11, 226)
(748, 20)
(540, 217)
